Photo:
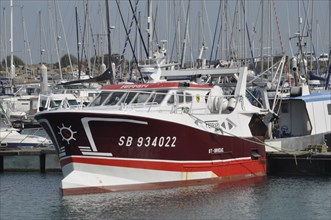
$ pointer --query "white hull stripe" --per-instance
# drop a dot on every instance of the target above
(151, 160)
(97, 154)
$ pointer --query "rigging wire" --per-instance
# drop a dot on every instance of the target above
(83, 52)
(309, 30)
(216, 27)
(95, 49)
(128, 37)
(208, 23)
(278, 28)
(65, 36)
(289, 31)
(249, 41)
(139, 30)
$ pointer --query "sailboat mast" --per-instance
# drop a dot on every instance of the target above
(185, 36)
(5, 39)
(40, 48)
(12, 67)
(150, 29)
(77, 38)
(329, 34)
(111, 78)
(262, 45)
(329, 63)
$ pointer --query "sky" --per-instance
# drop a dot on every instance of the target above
(50, 26)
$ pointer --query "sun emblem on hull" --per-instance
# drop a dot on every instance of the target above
(66, 133)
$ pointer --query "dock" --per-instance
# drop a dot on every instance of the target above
(299, 163)
(29, 159)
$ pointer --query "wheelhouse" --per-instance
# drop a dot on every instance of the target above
(162, 94)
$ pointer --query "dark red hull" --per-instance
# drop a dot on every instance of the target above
(110, 141)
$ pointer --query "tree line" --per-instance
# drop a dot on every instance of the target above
(65, 61)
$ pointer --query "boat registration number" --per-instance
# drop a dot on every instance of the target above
(162, 141)
(216, 150)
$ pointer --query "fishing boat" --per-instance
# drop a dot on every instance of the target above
(304, 121)
(158, 135)
(304, 110)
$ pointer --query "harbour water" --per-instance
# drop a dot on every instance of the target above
(37, 196)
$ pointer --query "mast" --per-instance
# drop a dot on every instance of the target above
(57, 39)
(329, 30)
(111, 78)
(271, 35)
(24, 41)
(261, 49)
(329, 34)
(329, 63)
(138, 29)
(5, 40)
(77, 37)
(40, 49)
(227, 45)
(216, 26)
(150, 29)
(64, 35)
(186, 36)
(12, 67)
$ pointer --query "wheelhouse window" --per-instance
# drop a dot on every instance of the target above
(171, 100)
(72, 102)
(129, 96)
(142, 97)
(100, 99)
(181, 97)
(133, 97)
(158, 96)
(188, 97)
(114, 98)
(54, 104)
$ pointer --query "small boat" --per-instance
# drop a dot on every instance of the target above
(10, 137)
(47, 102)
(158, 135)
(20, 110)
